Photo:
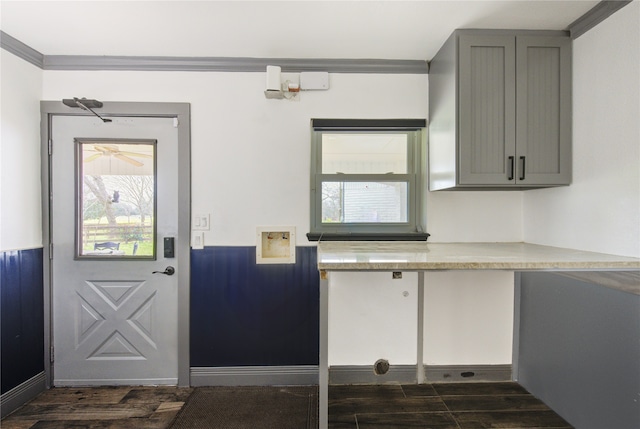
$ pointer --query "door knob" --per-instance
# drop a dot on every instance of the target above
(168, 271)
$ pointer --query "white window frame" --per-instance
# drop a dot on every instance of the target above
(415, 178)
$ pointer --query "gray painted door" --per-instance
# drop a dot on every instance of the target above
(113, 321)
(487, 130)
(543, 138)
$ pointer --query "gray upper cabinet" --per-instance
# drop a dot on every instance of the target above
(500, 111)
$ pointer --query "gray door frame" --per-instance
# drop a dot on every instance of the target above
(181, 111)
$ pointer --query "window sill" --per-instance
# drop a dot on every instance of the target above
(409, 236)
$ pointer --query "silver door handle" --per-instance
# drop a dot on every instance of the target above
(168, 271)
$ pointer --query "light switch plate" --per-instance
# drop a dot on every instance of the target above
(201, 222)
(197, 240)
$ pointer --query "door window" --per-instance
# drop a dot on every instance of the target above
(116, 199)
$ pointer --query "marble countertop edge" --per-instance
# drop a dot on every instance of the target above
(449, 266)
(399, 256)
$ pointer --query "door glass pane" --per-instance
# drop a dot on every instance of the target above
(116, 203)
(364, 153)
(364, 202)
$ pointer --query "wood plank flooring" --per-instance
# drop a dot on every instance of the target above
(100, 408)
(441, 406)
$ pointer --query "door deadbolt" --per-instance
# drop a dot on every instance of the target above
(168, 271)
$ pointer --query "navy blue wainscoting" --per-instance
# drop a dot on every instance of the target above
(21, 316)
(244, 314)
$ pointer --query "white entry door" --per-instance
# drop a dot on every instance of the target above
(114, 212)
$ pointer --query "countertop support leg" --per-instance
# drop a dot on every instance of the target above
(323, 364)
(420, 377)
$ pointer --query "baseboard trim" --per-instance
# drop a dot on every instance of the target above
(343, 374)
(466, 373)
(21, 394)
(255, 375)
(116, 382)
(364, 374)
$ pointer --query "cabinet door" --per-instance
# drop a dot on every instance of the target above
(486, 109)
(543, 88)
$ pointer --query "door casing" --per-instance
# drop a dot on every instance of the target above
(180, 111)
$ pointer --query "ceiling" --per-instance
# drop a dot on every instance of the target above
(406, 30)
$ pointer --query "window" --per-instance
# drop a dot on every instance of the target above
(115, 199)
(366, 179)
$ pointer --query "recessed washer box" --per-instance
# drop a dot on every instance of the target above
(276, 245)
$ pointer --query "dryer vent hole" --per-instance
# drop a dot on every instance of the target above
(381, 367)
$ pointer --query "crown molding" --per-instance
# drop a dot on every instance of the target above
(207, 64)
(231, 64)
(21, 50)
(595, 16)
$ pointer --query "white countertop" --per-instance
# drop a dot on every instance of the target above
(422, 255)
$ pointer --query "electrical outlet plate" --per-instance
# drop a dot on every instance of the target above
(276, 245)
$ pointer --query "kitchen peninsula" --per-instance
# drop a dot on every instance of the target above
(424, 256)
(405, 256)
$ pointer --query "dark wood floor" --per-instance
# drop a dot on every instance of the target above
(442, 406)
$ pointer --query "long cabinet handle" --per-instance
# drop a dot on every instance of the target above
(522, 172)
(511, 167)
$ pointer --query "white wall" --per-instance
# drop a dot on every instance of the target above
(250, 167)
(250, 155)
(478, 216)
(371, 317)
(20, 205)
(600, 211)
(468, 317)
